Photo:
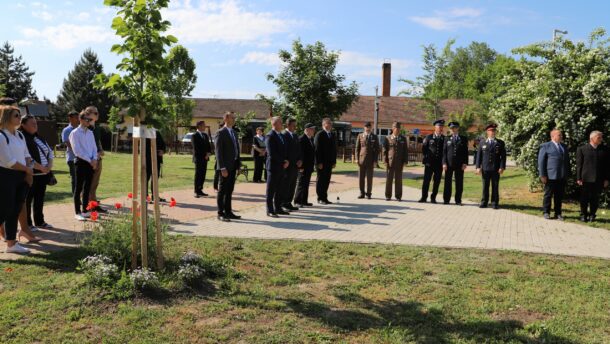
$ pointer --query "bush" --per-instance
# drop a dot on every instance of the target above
(99, 270)
(144, 279)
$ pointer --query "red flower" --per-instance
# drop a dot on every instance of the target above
(94, 216)
(92, 205)
(118, 205)
(172, 203)
(130, 195)
(8, 269)
(172, 199)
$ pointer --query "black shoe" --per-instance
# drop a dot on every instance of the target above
(368, 196)
(592, 218)
(223, 218)
(433, 201)
(482, 205)
(388, 199)
(495, 206)
(584, 218)
(458, 203)
(291, 207)
(559, 217)
(422, 200)
(308, 204)
(282, 212)
(233, 217)
(325, 202)
(399, 199)
(198, 195)
(546, 216)
(361, 196)
(299, 205)
(272, 215)
(101, 210)
(203, 194)
(445, 202)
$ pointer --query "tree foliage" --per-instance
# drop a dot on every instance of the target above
(15, 76)
(78, 91)
(563, 84)
(307, 85)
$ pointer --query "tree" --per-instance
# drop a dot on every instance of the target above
(141, 27)
(15, 76)
(178, 84)
(308, 86)
(563, 84)
(78, 91)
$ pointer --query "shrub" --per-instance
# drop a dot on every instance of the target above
(99, 270)
(144, 279)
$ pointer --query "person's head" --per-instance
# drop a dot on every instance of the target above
(92, 113)
(84, 119)
(310, 129)
(491, 131)
(260, 131)
(29, 124)
(10, 117)
(327, 124)
(367, 127)
(556, 135)
(291, 124)
(439, 125)
(201, 125)
(8, 101)
(276, 123)
(596, 137)
(396, 128)
(229, 119)
(455, 127)
(73, 118)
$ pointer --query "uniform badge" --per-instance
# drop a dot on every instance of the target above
(484, 146)
(448, 143)
(431, 140)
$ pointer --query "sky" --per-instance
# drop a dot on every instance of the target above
(235, 43)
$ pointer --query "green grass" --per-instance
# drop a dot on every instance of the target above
(177, 173)
(515, 195)
(322, 292)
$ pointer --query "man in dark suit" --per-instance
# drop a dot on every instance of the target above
(367, 154)
(295, 159)
(308, 153)
(161, 148)
(491, 163)
(553, 168)
(592, 174)
(259, 152)
(276, 165)
(326, 159)
(202, 149)
(227, 155)
(432, 151)
(455, 160)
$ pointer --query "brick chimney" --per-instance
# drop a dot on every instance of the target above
(386, 78)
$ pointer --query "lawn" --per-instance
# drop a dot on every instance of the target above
(515, 195)
(177, 173)
(321, 292)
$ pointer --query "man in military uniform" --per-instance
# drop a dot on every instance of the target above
(367, 154)
(432, 151)
(455, 160)
(395, 156)
(295, 158)
(491, 163)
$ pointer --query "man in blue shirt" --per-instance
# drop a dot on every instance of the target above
(65, 138)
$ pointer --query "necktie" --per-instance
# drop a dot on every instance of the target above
(281, 138)
(328, 133)
(234, 141)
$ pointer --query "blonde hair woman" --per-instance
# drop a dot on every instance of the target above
(15, 175)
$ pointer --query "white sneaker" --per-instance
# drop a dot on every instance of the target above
(17, 249)
(80, 217)
(34, 229)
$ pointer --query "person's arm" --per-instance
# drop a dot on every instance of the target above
(464, 151)
(219, 147)
(444, 158)
(406, 153)
(358, 149)
(542, 164)
(78, 146)
(317, 142)
(479, 156)
(579, 161)
(386, 155)
(503, 157)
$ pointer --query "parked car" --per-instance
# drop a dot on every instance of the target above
(187, 138)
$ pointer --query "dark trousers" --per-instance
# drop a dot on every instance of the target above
(216, 179)
(72, 170)
(201, 167)
(289, 185)
(259, 168)
(365, 171)
(459, 184)
(394, 176)
(13, 191)
(553, 189)
(149, 174)
(323, 182)
(589, 198)
(303, 181)
(493, 178)
(431, 172)
(84, 176)
(274, 194)
(36, 197)
(225, 193)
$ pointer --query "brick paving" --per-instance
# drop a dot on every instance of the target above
(354, 220)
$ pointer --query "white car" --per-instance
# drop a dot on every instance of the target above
(187, 138)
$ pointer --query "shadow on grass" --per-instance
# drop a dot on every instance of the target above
(413, 322)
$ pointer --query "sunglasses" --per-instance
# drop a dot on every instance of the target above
(87, 120)
(17, 115)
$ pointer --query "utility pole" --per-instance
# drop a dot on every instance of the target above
(376, 116)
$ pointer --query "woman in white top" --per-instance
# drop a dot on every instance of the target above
(15, 175)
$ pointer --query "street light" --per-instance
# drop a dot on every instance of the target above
(556, 31)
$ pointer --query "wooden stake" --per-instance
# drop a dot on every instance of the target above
(155, 184)
(134, 199)
(143, 204)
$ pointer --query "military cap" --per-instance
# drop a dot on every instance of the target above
(440, 122)
(367, 124)
(454, 124)
(491, 126)
(309, 125)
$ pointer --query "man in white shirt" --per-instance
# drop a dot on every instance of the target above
(85, 162)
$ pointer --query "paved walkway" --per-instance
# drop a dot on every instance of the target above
(353, 220)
